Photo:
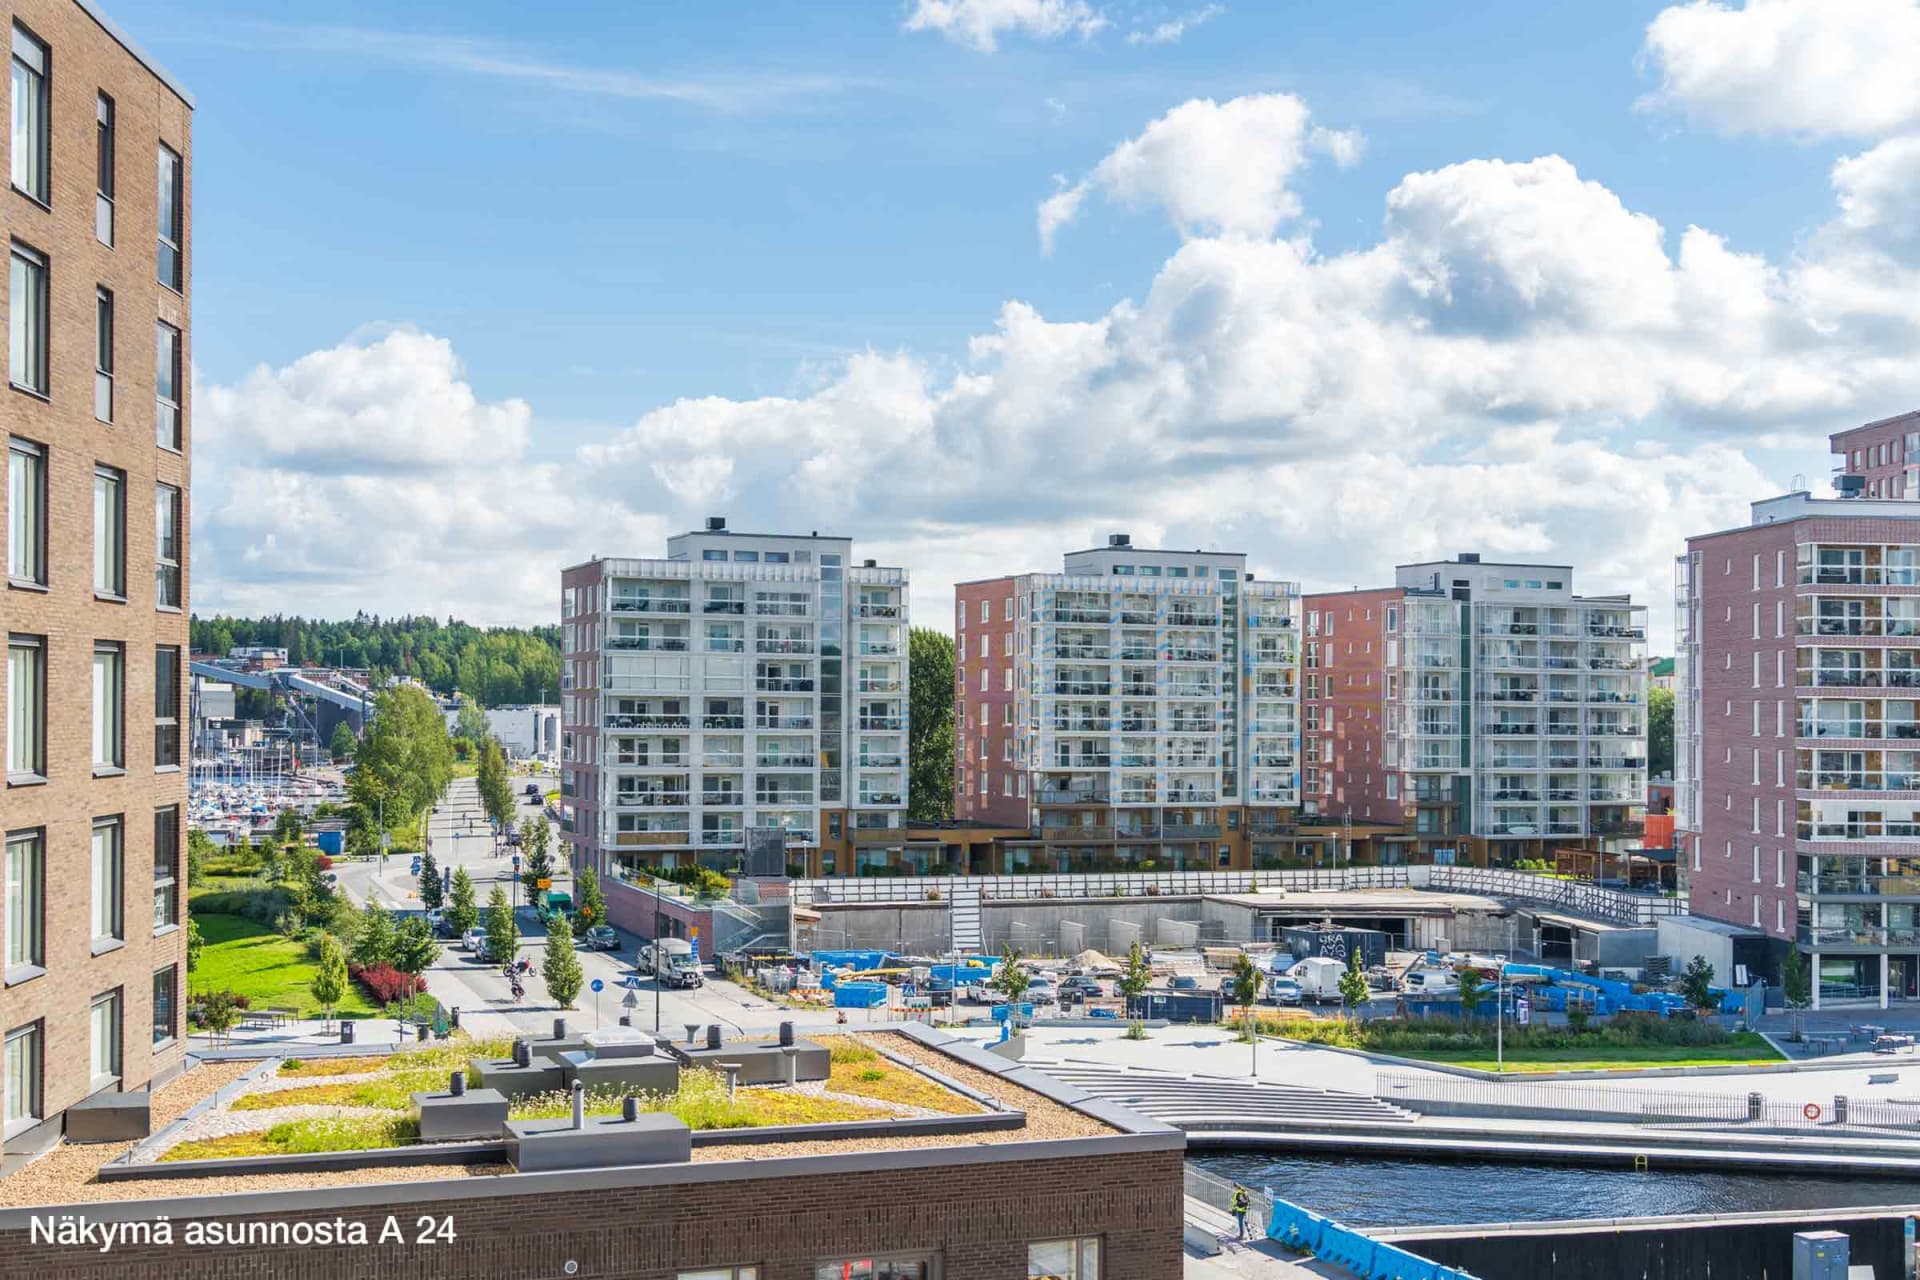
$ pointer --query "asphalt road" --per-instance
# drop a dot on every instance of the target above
(459, 836)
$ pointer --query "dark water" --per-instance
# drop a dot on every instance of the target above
(1381, 1193)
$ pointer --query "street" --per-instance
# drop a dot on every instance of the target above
(459, 836)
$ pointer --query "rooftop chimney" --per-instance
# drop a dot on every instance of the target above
(1119, 539)
(716, 524)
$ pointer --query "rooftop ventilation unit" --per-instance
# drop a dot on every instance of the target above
(716, 524)
(1119, 539)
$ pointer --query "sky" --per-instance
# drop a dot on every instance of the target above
(482, 290)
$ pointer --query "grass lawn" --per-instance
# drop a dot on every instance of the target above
(268, 969)
(1745, 1048)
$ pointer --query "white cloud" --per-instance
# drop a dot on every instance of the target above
(1170, 31)
(1879, 193)
(1790, 66)
(1520, 364)
(979, 24)
(1214, 167)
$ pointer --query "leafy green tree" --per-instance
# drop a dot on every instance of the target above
(503, 934)
(1353, 984)
(430, 891)
(414, 946)
(496, 786)
(1136, 975)
(930, 733)
(1795, 980)
(220, 1012)
(561, 968)
(1696, 983)
(194, 943)
(1473, 989)
(374, 936)
(1010, 979)
(287, 828)
(536, 853)
(342, 743)
(405, 758)
(200, 848)
(470, 724)
(590, 904)
(462, 914)
(1246, 981)
(1660, 733)
(329, 986)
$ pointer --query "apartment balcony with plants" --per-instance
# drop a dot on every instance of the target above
(1821, 772)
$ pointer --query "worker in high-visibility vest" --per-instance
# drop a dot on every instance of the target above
(1241, 1203)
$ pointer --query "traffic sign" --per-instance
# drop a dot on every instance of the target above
(596, 986)
(543, 883)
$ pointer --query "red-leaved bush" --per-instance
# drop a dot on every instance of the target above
(322, 862)
(386, 983)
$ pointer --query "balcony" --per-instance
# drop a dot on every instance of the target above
(1827, 780)
(616, 720)
(1135, 618)
(722, 839)
(648, 644)
(1187, 653)
(882, 760)
(881, 724)
(1095, 617)
(1178, 617)
(723, 722)
(1087, 761)
(1515, 795)
(1083, 688)
(1515, 729)
(877, 649)
(723, 798)
(877, 686)
(651, 799)
(1610, 762)
(771, 797)
(1605, 632)
(784, 760)
(733, 608)
(1081, 724)
(782, 646)
(1072, 834)
(1068, 797)
(775, 684)
(1190, 831)
(1861, 886)
(876, 611)
(1513, 693)
(783, 722)
(650, 604)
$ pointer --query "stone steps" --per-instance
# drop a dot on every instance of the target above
(1193, 1100)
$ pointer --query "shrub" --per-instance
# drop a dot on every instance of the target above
(321, 862)
(385, 983)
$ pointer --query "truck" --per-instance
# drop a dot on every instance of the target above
(671, 961)
(1319, 979)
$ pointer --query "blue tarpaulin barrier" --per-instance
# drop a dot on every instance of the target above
(1297, 1228)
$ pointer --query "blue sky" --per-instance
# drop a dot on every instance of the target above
(609, 210)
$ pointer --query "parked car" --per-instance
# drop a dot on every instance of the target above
(1184, 982)
(1042, 992)
(1432, 980)
(437, 919)
(601, 937)
(533, 790)
(1081, 988)
(473, 939)
(1284, 991)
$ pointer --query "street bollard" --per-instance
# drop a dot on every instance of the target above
(346, 1032)
(786, 1034)
(559, 1028)
(713, 1035)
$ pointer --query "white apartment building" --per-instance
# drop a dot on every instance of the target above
(1139, 709)
(744, 684)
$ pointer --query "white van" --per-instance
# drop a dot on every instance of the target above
(1432, 980)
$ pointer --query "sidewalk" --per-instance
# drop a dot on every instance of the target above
(1256, 1259)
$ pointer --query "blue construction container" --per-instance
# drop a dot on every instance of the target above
(331, 843)
(860, 995)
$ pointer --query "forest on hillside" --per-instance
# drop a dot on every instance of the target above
(495, 666)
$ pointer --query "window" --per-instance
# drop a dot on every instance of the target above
(166, 546)
(27, 320)
(746, 557)
(31, 117)
(109, 720)
(166, 707)
(26, 708)
(107, 867)
(172, 214)
(26, 512)
(104, 1021)
(165, 987)
(103, 169)
(166, 867)
(26, 901)
(103, 354)
(1064, 1259)
(711, 554)
(23, 1076)
(776, 557)
(166, 385)
(920, 1268)
(109, 533)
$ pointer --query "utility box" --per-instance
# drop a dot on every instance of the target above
(1821, 1255)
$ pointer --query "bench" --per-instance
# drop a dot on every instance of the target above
(1893, 1044)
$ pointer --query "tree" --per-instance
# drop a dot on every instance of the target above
(288, 828)
(194, 944)
(536, 849)
(200, 848)
(590, 905)
(1473, 989)
(374, 936)
(1246, 981)
(462, 915)
(1660, 733)
(1010, 979)
(1353, 984)
(470, 724)
(1696, 984)
(930, 740)
(220, 1012)
(561, 967)
(503, 934)
(342, 743)
(1796, 981)
(405, 758)
(496, 787)
(1136, 975)
(430, 892)
(329, 986)
(414, 946)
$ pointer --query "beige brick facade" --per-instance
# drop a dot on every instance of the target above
(87, 60)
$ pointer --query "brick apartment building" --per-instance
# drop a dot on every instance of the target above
(1136, 711)
(99, 152)
(744, 683)
(1474, 712)
(1797, 802)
